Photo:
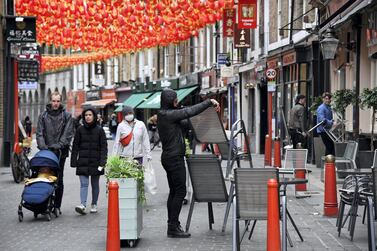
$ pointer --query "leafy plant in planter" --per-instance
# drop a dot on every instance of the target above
(118, 168)
(368, 99)
(317, 101)
(342, 99)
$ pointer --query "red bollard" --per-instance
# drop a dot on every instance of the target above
(113, 232)
(277, 153)
(267, 151)
(273, 219)
(330, 199)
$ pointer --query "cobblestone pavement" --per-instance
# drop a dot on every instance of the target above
(71, 231)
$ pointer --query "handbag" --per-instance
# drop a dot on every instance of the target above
(150, 184)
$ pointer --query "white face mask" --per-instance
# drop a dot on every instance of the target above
(129, 117)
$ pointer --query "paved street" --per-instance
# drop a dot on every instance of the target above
(71, 231)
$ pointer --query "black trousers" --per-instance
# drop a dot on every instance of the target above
(176, 174)
(60, 189)
(329, 144)
(296, 138)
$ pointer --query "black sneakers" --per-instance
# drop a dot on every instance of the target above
(176, 231)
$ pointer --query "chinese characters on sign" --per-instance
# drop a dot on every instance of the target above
(20, 29)
(247, 14)
(241, 38)
(229, 18)
(28, 74)
(99, 68)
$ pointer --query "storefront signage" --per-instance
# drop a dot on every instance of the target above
(20, 29)
(272, 63)
(226, 71)
(289, 58)
(93, 95)
(108, 94)
(221, 58)
(229, 19)
(205, 82)
(247, 14)
(99, 68)
(28, 70)
(242, 38)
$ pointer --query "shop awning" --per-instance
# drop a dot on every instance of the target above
(101, 103)
(119, 108)
(153, 102)
(135, 99)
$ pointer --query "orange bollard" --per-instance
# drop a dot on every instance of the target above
(277, 153)
(216, 149)
(113, 232)
(273, 218)
(330, 199)
(267, 151)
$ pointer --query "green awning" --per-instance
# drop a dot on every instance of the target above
(182, 93)
(153, 102)
(135, 99)
(119, 108)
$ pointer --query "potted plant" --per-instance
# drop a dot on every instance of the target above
(130, 177)
(368, 99)
(341, 100)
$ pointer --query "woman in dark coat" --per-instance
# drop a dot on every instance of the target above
(89, 155)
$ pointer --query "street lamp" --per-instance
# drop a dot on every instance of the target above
(329, 44)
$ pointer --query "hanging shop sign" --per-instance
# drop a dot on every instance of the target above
(108, 94)
(222, 58)
(242, 38)
(226, 71)
(229, 19)
(93, 95)
(28, 74)
(247, 14)
(20, 29)
(99, 68)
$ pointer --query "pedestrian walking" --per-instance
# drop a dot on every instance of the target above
(169, 124)
(297, 122)
(54, 132)
(153, 132)
(100, 121)
(132, 138)
(113, 125)
(27, 125)
(89, 156)
(324, 113)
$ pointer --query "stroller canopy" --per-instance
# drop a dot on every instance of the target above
(45, 158)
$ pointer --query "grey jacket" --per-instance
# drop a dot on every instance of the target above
(297, 118)
(55, 130)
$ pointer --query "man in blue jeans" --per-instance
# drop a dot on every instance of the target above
(324, 113)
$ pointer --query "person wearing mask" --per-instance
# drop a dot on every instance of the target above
(100, 121)
(113, 125)
(89, 156)
(131, 139)
(54, 132)
(170, 122)
(296, 123)
(324, 114)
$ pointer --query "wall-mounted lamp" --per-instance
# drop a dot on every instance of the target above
(329, 44)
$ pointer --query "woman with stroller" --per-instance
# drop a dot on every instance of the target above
(89, 155)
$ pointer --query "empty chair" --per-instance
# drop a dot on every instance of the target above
(207, 183)
(349, 155)
(251, 195)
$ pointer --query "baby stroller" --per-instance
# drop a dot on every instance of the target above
(39, 191)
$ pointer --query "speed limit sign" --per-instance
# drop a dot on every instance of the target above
(270, 73)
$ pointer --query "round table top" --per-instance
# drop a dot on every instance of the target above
(289, 181)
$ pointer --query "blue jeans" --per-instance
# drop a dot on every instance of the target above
(84, 184)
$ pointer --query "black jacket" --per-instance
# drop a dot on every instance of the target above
(170, 122)
(89, 148)
(55, 130)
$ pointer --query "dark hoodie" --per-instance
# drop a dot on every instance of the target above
(169, 121)
(55, 130)
(89, 148)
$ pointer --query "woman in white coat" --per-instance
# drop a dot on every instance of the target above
(132, 139)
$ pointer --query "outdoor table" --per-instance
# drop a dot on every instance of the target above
(284, 182)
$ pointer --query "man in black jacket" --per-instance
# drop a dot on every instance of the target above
(169, 125)
(54, 132)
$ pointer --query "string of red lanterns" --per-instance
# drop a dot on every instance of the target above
(118, 26)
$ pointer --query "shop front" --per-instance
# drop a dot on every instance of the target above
(102, 100)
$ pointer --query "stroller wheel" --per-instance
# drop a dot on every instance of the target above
(20, 217)
(48, 216)
(35, 215)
